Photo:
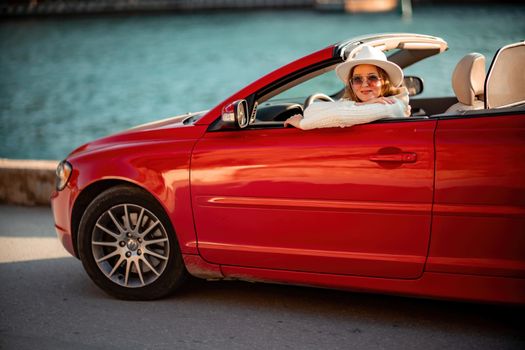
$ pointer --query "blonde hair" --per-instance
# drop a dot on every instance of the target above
(387, 89)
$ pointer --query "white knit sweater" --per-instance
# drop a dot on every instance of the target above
(344, 113)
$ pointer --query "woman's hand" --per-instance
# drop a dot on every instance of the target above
(382, 100)
(293, 121)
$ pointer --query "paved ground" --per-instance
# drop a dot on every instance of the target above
(48, 302)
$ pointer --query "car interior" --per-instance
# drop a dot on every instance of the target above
(475, 91)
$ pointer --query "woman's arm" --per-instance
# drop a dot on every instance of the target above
(348, 113)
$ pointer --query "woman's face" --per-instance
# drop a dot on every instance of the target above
(366, 82)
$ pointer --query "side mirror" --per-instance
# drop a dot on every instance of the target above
(413, 84)
(236, 113)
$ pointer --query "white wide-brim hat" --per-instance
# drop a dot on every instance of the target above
(367, 54)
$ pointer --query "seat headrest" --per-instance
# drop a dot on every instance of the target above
(468, 78)
(506, 77)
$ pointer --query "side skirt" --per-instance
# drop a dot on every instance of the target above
(431, 285)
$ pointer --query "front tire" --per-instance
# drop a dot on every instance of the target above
(128, 247)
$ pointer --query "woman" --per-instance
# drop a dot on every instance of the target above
(371, 92)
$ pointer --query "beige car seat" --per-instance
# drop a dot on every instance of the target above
(468, 81)
(506, 78)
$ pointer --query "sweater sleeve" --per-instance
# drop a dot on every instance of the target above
(346, 113)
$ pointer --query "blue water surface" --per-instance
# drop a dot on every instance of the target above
(66, 81)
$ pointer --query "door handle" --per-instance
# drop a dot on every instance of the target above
(403, 157)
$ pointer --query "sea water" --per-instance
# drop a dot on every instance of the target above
(66, 81)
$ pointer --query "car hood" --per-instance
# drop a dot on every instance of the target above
(171, 122)
(169, 129)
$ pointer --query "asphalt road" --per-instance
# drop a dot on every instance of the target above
(48, 302)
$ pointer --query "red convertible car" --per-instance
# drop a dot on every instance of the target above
(432, 205)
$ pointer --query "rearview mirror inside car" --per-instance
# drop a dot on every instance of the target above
(413, 84)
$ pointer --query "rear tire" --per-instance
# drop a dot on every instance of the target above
(128, 247)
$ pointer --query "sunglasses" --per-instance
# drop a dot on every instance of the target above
(372, 79)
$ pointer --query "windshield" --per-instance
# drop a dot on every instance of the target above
(326, 83)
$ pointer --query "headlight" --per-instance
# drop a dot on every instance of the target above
(63, 173)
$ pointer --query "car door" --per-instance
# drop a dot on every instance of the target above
(353, 201)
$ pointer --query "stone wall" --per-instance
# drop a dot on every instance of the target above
(27, 182)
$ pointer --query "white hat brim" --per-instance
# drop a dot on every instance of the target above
(395, 73)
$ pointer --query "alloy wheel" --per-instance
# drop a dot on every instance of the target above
(130, 245)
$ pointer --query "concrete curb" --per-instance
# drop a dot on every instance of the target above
(26, 182)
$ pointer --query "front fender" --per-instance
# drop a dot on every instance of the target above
(159, 167)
